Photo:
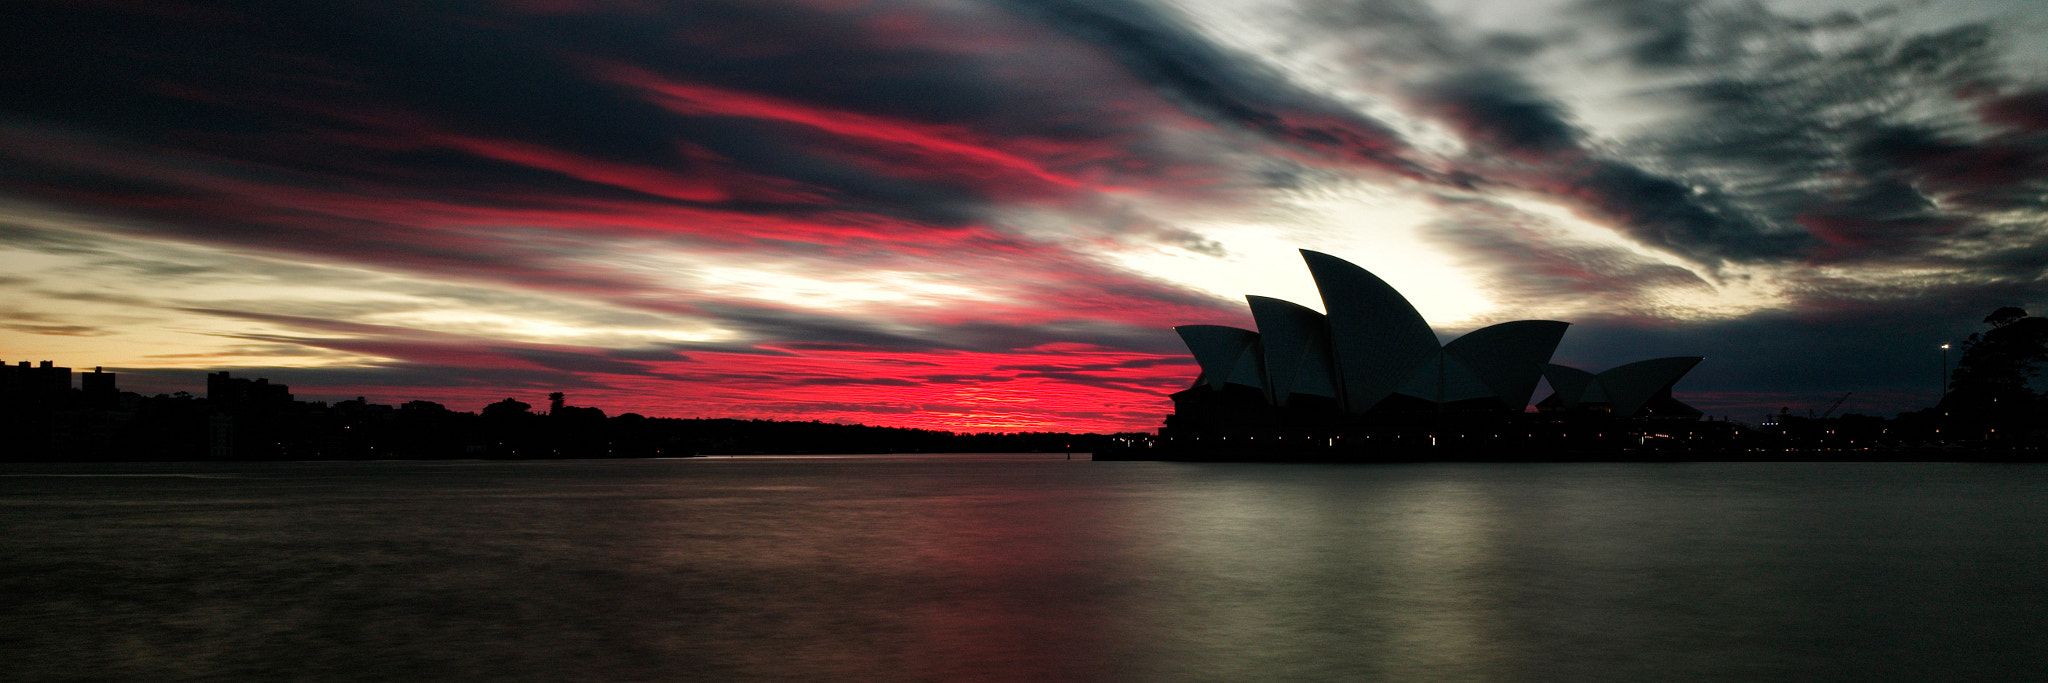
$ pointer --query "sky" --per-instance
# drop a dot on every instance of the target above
(987, 215)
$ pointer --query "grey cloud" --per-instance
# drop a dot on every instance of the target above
(573, 361)
(1515, 45)
(1405, 34)
(1524, 265)
(1120, 219)
(809, 330)
(44, 240)
(1523, 138)
(785, 325)
(1207, 79)
(1829, 155)
(1687, 33)
(1664, 212)
(57, 330)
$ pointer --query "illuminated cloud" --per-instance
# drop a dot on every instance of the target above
(986, 214)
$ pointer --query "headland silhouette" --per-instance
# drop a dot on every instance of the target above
(44, 418)
(1989, 409)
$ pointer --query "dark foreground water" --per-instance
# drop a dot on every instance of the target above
(1025, 568)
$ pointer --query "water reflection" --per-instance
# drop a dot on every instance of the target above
(1022, 569)
(1284, 573)
(1435, 552)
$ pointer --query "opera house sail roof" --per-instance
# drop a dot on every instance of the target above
(1373, 348)
(1226, 354)
(1624, 390)
(1296, 341)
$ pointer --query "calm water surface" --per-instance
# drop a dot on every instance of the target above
(1024, 568)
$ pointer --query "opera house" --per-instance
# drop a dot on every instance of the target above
(1372, 368)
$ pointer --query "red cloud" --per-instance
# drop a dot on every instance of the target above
(953, 142)
(651, 181)
(1849, 234)
(1053, 388)
(1072, 388)
(2027, 110)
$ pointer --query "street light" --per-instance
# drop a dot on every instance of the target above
(1944, 372)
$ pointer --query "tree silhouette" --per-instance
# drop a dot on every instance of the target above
(2005, 316)
(1999, 366)
(508, 408)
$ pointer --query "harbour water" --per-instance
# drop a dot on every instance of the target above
(1022, 568)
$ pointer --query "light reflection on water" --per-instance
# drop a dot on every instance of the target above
(1022, 568)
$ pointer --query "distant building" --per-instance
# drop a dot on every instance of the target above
(220, 436)
(43, 384)
(98, 382)
(244, 422)
(99, 389)
(227, 393)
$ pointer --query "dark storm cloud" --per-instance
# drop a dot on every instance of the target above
(1660, 211)
(503, 144)
(1520, 136)
(1991, 174)
(473, 100)
(1880, 219)
(1697, 34)
(1229, 88)
(1467, 81)
(1503, 112)
(1793, 139)
(1771, 156)
(1659, 33)
(948, 71)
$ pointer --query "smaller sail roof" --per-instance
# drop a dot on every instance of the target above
(1509, 357)
(1630, 386)
(1625, 389)
(1223, 352)
(1296, 342)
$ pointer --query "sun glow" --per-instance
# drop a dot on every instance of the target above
(1376, 230)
